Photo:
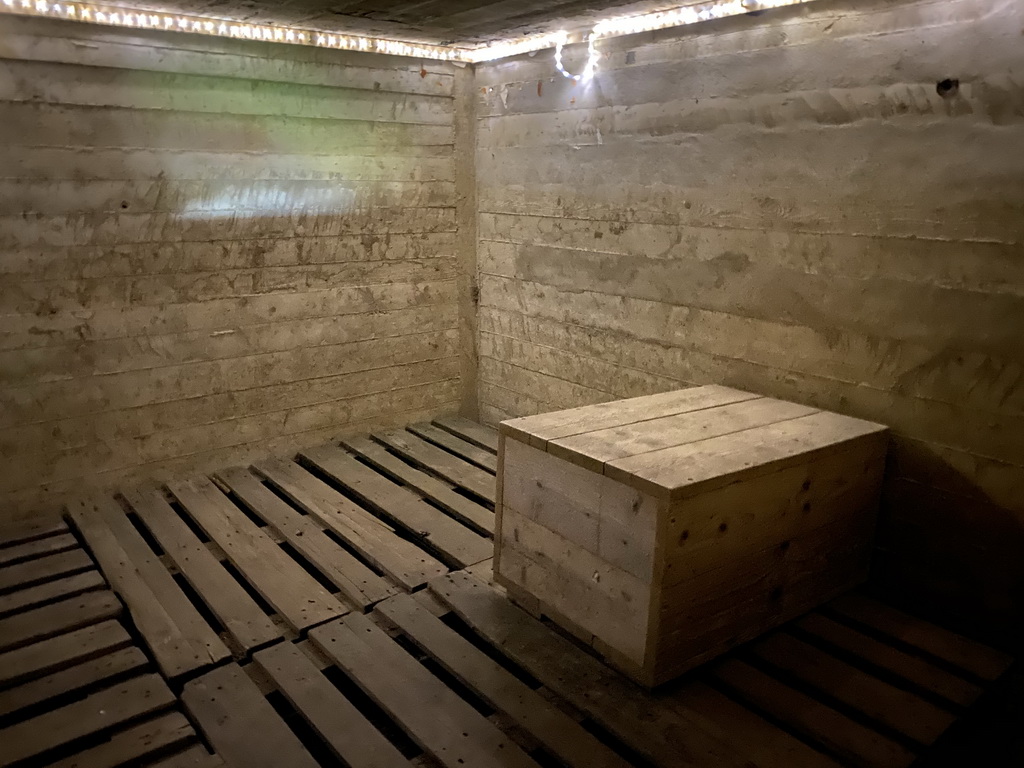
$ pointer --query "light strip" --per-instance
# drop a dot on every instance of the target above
(205, 25)
(690, 14)
(628, 25)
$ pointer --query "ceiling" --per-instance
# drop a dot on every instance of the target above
(467, 22)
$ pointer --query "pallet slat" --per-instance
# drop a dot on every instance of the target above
(440, 462)
(458, 506)
(178, 636)
(915, 670)
(238, 613)
(356, 582)
(847, 738)
(41, 658)
(351, 737)
(470, 431)
(51, 591)
(403, 561)
(902, 711)
(474, 454)
(101, 710)
(13, 534)
(57, 618)
(444, 725)
(239, 722)
(24, 575)
(193, 757)
(292, 592)
(71, 680)
(401, 507)
(764, 744)
(135, 744)
(37, 548)
(667, 738)
(980, 660)
(559, 733)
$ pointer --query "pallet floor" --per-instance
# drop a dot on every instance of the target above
(75, 688)
(335, 610)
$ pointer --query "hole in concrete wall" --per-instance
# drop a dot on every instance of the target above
(947, 88)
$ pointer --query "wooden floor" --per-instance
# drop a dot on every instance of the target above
(335, 610)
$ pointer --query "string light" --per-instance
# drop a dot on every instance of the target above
(689, 14)
(202, 25)
(592, 58)
(622, 25)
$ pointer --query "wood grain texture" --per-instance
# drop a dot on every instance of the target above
(240, 723)
(754, 208)
(216, 245)
(437, 719)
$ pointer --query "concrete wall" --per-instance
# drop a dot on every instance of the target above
(210, 249)
(784, 204)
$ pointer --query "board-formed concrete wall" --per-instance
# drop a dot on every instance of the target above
(212, 249)
(784, 203)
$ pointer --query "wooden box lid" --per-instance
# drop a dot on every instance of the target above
(677, 444)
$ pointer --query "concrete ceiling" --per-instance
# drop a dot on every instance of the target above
(429, 21)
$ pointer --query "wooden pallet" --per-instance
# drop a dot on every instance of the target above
(215, 568)
(460, 676)
(854, 684)
(360, 666)
(75, 690)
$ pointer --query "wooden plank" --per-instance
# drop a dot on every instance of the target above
(50, 591)
(595, 449)
(458, 506)
(842, 736)
(440, 462)
(550, 726)
(44, 569)
(403, 561)
(178, 636)
(353, 739)
(401, 507)
(764, 744)
(980, 660)
(102, 710)
(607, 518)
(593, 594)
(470, 431)
(686, 470)
(70, 680)
(240, 724)
(668, 737)
(900, 710)
(13, 534)
(538, 430)
(437, 719)
(915, 670)
(356, 582)
(30, 550)
(474, 454)
(58, 618)
(135, 744)
(292, 592)
(193, 757)
(51, 655)
(237, 613)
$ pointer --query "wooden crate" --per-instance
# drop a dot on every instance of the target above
(666, 529)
